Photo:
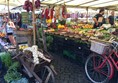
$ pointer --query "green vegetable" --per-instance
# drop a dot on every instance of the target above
(49, 40)
(62, 22)
(6, 59)
(12, 73)
(40, 31)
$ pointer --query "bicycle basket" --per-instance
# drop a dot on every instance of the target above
(98, 47)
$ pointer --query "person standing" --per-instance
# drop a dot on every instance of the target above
(10, 27)
(19, 20)
(98, 18)
(111, 18)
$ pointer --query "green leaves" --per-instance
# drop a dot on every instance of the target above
(49, 40)
(12, 73)
(6, 59)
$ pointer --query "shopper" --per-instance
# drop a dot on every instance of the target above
(111, 18)
(98, 18)
(19, 20)
(10, 28)
(3, 25)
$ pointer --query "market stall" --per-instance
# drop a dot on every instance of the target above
(38, 65)
(68, 37)
(68, 33)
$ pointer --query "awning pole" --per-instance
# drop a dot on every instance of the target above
(8, 9)
(33, 23)
(87, 15)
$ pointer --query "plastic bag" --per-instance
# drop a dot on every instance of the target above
(22, 80)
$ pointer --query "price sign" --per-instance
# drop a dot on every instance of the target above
(23, 46)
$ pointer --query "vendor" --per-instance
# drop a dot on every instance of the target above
(111, 18)
(98, 18)
(9, 29)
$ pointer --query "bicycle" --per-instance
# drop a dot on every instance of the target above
(100, 67)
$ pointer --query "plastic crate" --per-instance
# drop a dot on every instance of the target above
(98, 47)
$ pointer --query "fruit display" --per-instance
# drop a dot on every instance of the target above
(50, 30)
(85, 31)
(80, 25)
(48, 21)
(86, 26)
(61, 26)
(2, 34)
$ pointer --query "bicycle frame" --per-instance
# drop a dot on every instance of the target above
(115, 63)
(100, 66)
(111, 62)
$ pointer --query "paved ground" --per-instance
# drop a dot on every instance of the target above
(68, 72)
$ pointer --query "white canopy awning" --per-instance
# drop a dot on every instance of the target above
(75, 3)
(12, 2)
(84, 3)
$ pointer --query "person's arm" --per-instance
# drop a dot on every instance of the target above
(18, 20)
(3, 26)
(108, 20)
(95, 20)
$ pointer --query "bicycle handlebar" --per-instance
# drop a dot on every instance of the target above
(115, 45)
(114, 42)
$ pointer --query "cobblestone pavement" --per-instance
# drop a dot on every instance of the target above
(68, 72)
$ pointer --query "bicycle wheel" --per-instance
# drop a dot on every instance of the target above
(46, 75)
(94, 72)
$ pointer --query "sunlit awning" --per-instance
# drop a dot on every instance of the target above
(84, 3)
(12, 2)
(76, 3)
(111, 3)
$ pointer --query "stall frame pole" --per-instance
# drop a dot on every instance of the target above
(87, 15)
(34, 23)
(8, 9)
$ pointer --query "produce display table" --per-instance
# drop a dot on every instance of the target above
(77, 46)
(70, 36)
(70, 45)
